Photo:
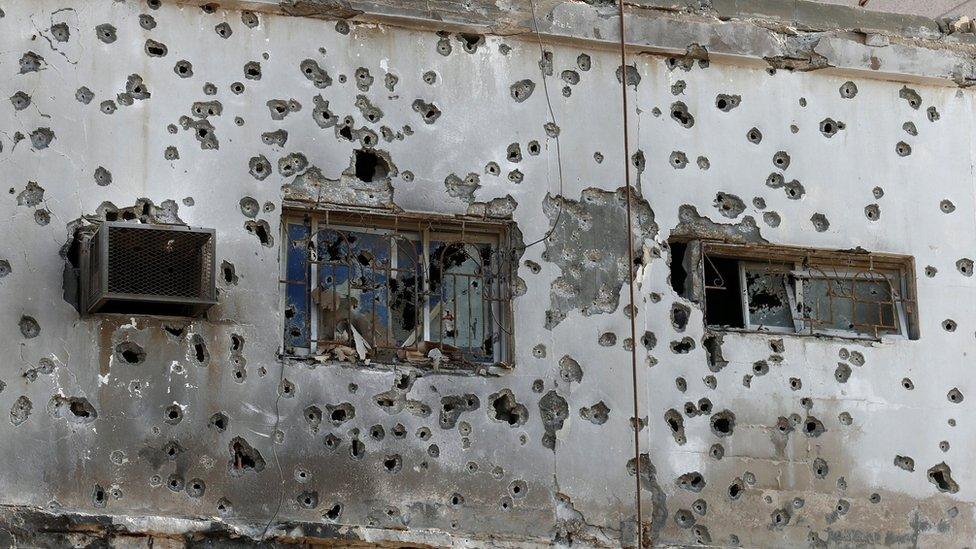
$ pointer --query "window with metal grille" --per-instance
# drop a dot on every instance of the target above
(797, 290)
(384, 288)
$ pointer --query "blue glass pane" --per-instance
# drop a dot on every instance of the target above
(296, 298)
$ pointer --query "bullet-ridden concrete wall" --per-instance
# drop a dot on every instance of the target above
(125, 426)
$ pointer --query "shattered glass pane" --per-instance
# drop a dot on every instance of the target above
(352, 296)
(864, 306)
(460, 316)
(296, 291)
(767, 293)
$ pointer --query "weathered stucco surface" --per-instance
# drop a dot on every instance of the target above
(114, 462)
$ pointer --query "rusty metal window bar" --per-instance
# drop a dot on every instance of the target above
(385, 289)
(783, 290)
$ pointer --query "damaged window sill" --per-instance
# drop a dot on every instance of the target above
(815, 335)
(447, 368)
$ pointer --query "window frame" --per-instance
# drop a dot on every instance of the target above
(833, 264)
(424, 229)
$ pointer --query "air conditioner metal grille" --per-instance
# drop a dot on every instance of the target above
(159, 262)
(150, 269)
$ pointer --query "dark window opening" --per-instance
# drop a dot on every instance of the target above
(679, 276)
(723, 293)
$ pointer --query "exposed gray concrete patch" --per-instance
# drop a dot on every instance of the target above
(585, 246)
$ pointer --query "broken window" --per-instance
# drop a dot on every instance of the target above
(397, 288)
(798, 290)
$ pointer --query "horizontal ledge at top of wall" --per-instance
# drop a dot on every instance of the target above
(763, 33)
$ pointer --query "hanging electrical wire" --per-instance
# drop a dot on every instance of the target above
(631, 278)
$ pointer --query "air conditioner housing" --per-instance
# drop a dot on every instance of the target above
(145, 269)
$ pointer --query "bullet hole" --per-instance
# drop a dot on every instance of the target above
(376, 432)
(279, 109)
(872, 212)
(333, 513)
(20, 100)
(173, 414)
(848, 90)
(31, 196)
(130, 353)
(649, 340)
(514, 153)
(262, 230)
(250, 207)
(428, 111)
(183, 69)
(357, 449)
(781, 160)
(171, 153)
(147, 22)
(252, 70)
(73, 409)
(42, 217)
(393, 463)
(99, 499)
(522, 90)
(505, 408)
(903, 149)
(569, 370)
(29, 327)
(829, 127)
(680, 114)
(717, 451)
(30, 62)
(820, 222)
(106, 33)
(470, 42)
(729, 205)
(910, 95)
(249, 18)
(681, 384)
(842, 373)
(41, 138)
(941, 476)
(598, 157)
(554, 411)
(955, 396)
(820, 468)
(5, 268)
(947, 206)
(287, 389)
(219, 421)
(933, 114)
(239, 373)
(723, 423)
(965, 266)
(780, 518)
(244, 458)
(703, 163)
(571, 77)
(754, 136)
(910, 128)
(453, 406)
(199, 349)
(340, 413)
(678, 87)
(156, 49)
(813, 427)
(259, 167)
(676, 423)
(332, 442)
(632, 77)
(760, 368)
(949, 325)
(292, 164)
(736, 489)
(597, 414)
(684, 519)
(223, 30)
(678, 160)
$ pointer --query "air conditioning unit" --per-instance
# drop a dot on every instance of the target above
(142, 269)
